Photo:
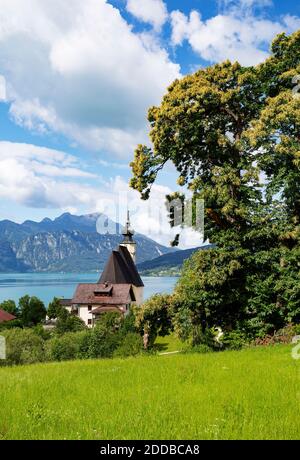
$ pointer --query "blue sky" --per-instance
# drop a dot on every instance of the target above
(77, 78)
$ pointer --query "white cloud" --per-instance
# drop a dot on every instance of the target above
(153, 12)
(292, 22)
(2, 89)
(236, 35)
(39, 177)
(78, 69)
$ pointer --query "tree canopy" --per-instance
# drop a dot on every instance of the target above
(233, 134)
(10, 307)
(32, 311)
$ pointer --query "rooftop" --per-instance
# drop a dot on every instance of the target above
(120, 269)
(4, 316)
(103, 294)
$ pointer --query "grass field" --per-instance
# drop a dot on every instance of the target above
(250, 394)
(168, 344)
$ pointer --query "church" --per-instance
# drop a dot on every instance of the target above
(119, 287)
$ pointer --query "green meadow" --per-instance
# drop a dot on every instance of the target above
(248, 394)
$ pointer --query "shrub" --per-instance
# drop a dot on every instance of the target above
(41, 332)
(235, 340)
(23, 346)
(284, 335)
(131, 345)
(69, 323)
(11, 325)
(128, 324)
(103, 343)
(63, 348)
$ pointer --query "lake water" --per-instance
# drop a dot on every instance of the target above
(49, 285)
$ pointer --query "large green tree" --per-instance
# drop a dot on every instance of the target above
(55, 309)
(32, 311)
(232, 133)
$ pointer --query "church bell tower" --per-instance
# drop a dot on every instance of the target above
(128, 241)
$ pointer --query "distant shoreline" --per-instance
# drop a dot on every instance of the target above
(144, 275)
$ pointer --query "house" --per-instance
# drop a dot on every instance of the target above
(5, 317)
(119, 287)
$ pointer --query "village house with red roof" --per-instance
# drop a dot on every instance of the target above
(5, 317)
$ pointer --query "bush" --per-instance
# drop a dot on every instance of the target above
(63, 348)
(113, 335)
(41, 332)
(128, 324)
(206, 337)
(11, 325)
(235, 340)
(284, 335)
(103, 343)
(132, 345)
(69, 323)
(23, 346)
(83, 339)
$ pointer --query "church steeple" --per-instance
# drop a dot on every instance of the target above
(128, 241)
(128, 232)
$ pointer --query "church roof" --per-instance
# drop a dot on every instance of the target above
(103, 294)
(4, 316)
(120, 269)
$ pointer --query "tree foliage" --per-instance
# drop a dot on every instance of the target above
(55, 309)
(154, 317)
(66, 322)
(233, 134)
(32, 311)
(10, 307)
(23, 346)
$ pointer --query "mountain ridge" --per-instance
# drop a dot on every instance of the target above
(68, 243)
(171, 263)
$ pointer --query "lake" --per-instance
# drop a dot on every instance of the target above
(49, 285)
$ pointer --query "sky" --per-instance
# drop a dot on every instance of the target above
(77, 79)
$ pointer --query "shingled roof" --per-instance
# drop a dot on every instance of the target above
(4, 316)
(120, 269)
(65, 302)
(103, 294)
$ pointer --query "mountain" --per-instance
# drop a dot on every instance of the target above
(169, 264)
(8, 259)
(68, 243)
(11, 231)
